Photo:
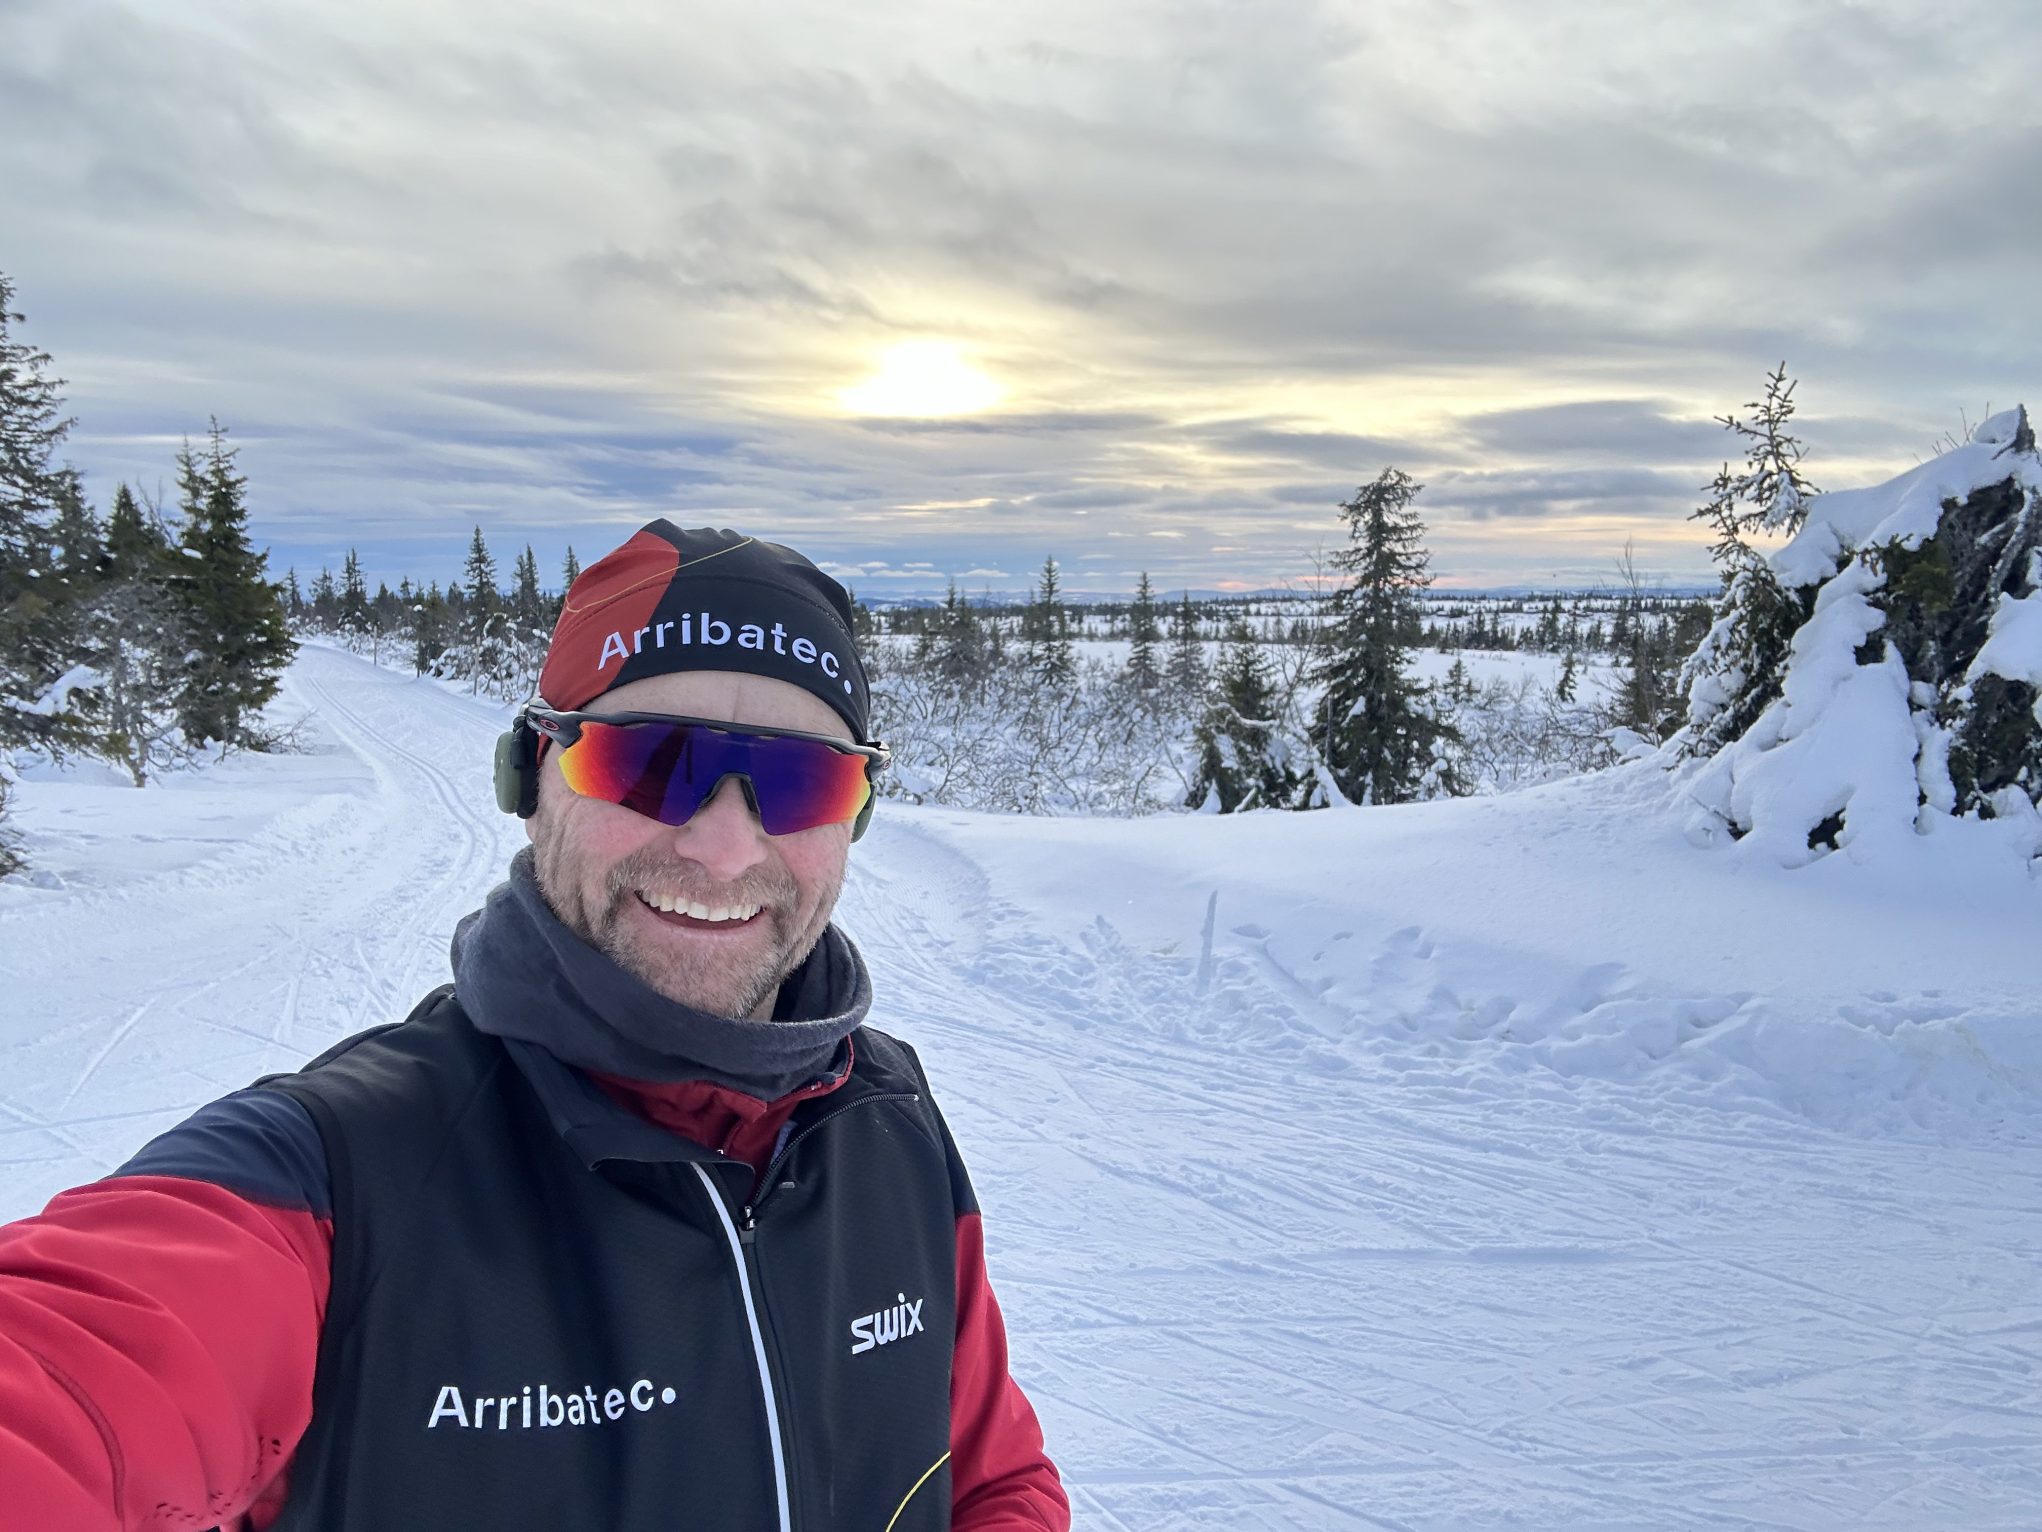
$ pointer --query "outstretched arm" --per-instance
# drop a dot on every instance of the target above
(159, 1329)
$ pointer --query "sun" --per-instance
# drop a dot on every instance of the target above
(922, 377)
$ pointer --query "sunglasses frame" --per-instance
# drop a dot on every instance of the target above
(562, 727)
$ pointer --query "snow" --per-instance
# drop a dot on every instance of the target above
(1905, 509)
(2013, 643)
(1511, 1161)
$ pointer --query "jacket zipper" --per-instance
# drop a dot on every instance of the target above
(740, 1237)
(751, 1314)
(771, 1178)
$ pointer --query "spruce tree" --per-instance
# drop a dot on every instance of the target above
(1144, 632)
(1739, 666)
(233, 620)
(325, 603)
(527, 603)
(1187, 652)
(478, 578)
(1242, 762)
(429, 629)
(356, 622)
(131, 638)
(1375, 728)
(136, 544)
(1050, 653)
(958, 642)
(570, 571)
(487, 621)
(34, 493)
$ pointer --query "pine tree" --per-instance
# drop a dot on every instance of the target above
(1564, 688)
(1242, 762)
(233, 619)
(1376, 730)
(1144, 632)
(1187, 651)
(1050, 653)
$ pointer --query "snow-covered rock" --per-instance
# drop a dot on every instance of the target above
(1910, 690)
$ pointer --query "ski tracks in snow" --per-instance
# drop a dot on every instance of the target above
(1274, 1253)
(1261, 1278)
(329, 913)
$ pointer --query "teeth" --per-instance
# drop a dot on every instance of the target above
(673, 904)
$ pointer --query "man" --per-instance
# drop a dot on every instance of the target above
(635, 1225)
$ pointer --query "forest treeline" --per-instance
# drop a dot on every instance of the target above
(152, 633)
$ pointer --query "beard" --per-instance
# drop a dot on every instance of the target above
(735, 975)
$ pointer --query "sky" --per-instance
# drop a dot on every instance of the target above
(935, 291)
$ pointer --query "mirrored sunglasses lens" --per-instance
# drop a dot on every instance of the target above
(801, 784)
(665, 771)
(642, 767)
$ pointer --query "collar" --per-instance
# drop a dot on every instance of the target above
(523, 976)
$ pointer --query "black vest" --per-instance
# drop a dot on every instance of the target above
(548, 1313)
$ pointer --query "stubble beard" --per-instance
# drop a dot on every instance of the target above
(734, 983)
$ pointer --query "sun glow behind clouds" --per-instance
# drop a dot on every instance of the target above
(925, 378)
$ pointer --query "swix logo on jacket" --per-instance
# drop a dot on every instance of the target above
(548, 1312)
(888, 1325)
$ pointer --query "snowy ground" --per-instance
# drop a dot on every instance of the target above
(1501, 1163)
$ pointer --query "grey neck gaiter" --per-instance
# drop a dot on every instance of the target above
(520, 973)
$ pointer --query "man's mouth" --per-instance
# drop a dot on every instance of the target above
(694, 915)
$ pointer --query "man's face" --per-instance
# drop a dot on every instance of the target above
(604, 868)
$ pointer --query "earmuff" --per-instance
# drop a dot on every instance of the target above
(517, 769)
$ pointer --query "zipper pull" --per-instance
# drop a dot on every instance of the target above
(748, 1225)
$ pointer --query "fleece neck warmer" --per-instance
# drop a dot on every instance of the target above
(520, 973)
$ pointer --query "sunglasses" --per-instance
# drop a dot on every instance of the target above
(666, 767)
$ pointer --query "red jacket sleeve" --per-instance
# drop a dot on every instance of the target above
(158, 1336)
(1001, 1479)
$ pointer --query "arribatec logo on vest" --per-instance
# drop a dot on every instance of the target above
(693, 629)
(526, 1410)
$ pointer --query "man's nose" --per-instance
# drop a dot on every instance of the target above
(724, 835)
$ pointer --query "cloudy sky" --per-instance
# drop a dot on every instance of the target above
(933, 290)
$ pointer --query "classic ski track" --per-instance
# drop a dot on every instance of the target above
(401, 908)
(471, 870)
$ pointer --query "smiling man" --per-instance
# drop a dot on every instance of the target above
(636, 1224)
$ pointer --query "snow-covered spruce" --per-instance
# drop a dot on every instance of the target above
(1908, 694)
